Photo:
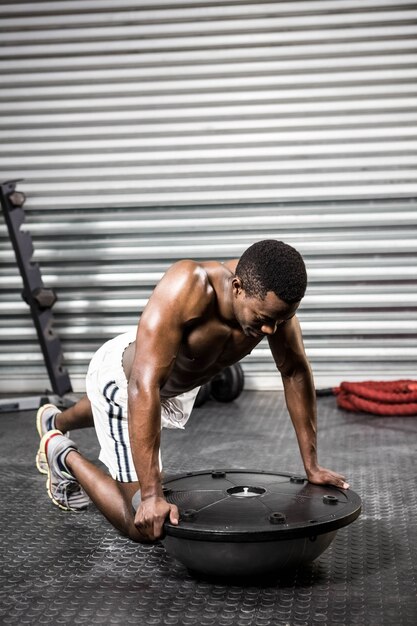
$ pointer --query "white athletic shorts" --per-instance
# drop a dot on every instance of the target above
(106, 386)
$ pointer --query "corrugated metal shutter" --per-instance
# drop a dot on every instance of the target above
(146, 133)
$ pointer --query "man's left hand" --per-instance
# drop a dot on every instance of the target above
(323, 476)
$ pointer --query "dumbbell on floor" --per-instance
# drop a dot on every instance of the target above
(226, 386)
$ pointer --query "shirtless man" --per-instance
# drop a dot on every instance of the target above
(200, 318)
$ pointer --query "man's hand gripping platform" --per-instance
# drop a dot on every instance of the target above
(151, 515)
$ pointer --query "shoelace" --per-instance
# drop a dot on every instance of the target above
(65, 491)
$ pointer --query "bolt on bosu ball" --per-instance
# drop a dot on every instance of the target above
(243, 523)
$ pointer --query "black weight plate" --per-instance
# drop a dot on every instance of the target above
(203, 395)
(228, 385)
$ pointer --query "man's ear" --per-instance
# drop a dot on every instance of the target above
(236, 286)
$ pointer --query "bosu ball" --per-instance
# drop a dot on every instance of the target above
(244, 523)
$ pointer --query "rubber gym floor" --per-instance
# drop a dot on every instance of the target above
(74, 568)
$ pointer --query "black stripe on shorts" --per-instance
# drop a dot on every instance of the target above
(115, 416)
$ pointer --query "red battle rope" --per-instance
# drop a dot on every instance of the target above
(398, 397)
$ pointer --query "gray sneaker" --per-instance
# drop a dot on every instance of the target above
(63, 488)
(45, 421)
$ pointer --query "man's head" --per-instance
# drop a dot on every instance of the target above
(275, 266)
(270, 280)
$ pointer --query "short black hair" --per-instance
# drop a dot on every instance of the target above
(271, 265)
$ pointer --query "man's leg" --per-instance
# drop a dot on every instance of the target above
(49, 417)
(73, 481)
(111, 497)
(79, 415)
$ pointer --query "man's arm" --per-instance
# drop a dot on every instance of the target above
(288, 351)
(176, 300)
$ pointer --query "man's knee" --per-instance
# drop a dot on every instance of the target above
(132, 533)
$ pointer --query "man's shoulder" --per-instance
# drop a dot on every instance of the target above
(231, 264)
(188, 283)
(185, 265)
(198, 285)
(188, 273)
(196, 272)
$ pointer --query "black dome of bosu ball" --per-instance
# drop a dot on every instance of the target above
(244, 523)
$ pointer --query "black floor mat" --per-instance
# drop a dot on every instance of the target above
(74, 568)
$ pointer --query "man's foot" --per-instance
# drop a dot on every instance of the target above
(63, 488)
(45, 421)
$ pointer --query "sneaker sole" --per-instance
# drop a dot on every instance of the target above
(40, 463)
(42, 449)
(40, 459)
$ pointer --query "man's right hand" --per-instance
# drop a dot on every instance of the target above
(151, 515)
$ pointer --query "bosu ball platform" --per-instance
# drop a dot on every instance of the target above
(247, 522)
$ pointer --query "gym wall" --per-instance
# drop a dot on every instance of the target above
(147, 132)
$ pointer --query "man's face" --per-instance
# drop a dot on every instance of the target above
(259, 317)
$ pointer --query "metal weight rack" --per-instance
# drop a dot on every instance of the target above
(40, 300)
